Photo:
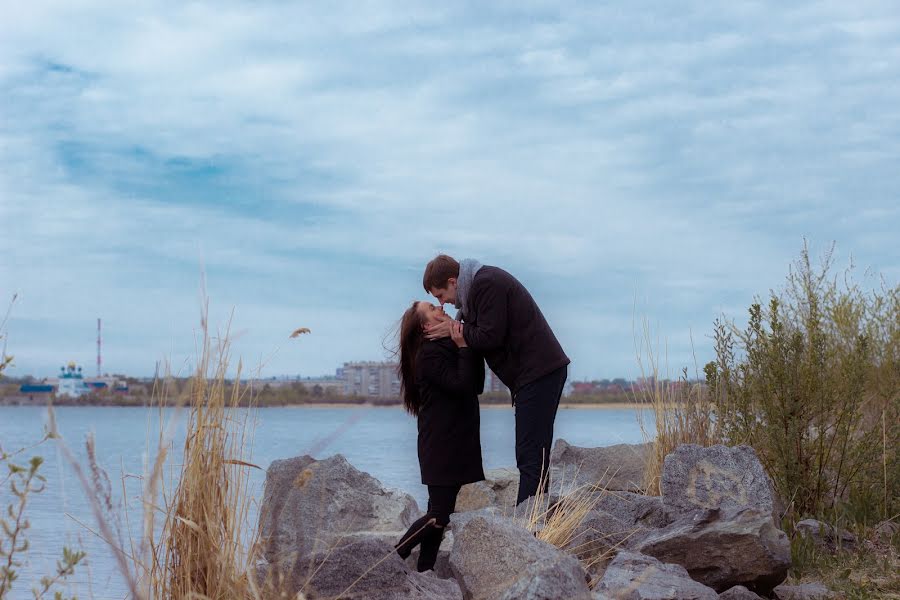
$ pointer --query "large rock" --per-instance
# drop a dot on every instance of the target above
(616, 521)
(824, 535)
(634, 509)
(371, 570)
(310, 505)
(495, 558)
(886, 530)
(459, 520)
(739, 592)
(499, 489)
(722, 548)
(719, 476)
(600, 533)
(632, 576)
(613, 468)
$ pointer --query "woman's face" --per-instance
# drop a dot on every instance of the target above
(431, 313)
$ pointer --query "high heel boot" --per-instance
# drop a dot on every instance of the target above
(428, 551)
(413, 536)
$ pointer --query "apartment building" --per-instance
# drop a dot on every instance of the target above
(370, 378)
(380, 380)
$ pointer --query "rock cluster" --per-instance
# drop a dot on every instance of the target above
(714, 517)
(328, 530)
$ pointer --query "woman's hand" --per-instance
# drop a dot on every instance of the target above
(456, 334)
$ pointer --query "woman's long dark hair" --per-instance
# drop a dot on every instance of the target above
(411, 338)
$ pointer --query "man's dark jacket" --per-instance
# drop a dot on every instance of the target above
(449, 380)
(503, 323)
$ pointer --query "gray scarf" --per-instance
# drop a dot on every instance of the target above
(467, 269)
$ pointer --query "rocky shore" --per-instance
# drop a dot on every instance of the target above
(327, 531)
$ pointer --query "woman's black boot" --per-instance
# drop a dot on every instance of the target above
(413, 536)
(428, 551)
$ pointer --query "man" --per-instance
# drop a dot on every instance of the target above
(502, 322)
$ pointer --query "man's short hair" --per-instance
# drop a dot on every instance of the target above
(438, 271)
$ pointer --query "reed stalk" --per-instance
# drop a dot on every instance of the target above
(670, 412)
(195, 542)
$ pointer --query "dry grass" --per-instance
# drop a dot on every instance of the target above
(561, 524)
(193, 542)
(680, 410)
(202, 550)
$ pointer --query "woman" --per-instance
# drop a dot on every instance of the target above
(440, 382)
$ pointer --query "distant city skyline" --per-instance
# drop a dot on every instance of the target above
(624, 161)
(492, 382)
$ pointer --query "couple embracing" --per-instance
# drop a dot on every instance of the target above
(442, 373)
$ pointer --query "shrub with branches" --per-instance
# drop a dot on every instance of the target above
(25, 480)
(812, 384)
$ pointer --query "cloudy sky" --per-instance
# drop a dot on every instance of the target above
(657, 159)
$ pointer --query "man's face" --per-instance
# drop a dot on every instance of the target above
(446, 295)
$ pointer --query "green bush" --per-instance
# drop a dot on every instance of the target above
(812, 384)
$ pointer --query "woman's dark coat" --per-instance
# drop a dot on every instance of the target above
(449, 380)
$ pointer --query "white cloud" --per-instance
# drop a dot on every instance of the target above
(313, 159)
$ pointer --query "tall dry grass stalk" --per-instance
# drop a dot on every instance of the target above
(671, 412)
(203, 550)
(561, 523)
(195, 541)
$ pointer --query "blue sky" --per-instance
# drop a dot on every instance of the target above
(648, 158)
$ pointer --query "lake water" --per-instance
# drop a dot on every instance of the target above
(380, 441)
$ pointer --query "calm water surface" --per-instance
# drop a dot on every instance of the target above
(380, 441)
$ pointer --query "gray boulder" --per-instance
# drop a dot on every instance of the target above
(495, 558)
(531, 510)
(632, 576)
(371, 570)
(634, 509)
(499, 489)
(722, 548)
(617, 521)
(739, 592)
(601, 532)
(824, 535)
(804, 591)
(886, 530)
(310, 505)
(719, 476)
(459, 520)
(613, 468)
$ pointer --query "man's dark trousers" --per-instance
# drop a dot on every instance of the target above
(536, 406)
